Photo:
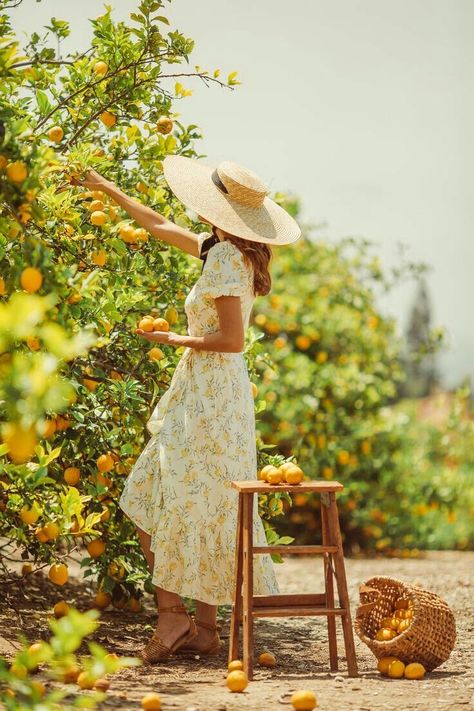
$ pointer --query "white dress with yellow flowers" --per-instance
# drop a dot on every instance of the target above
(203, 436)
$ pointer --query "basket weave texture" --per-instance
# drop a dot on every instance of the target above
(429, 639)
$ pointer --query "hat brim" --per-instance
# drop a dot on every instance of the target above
(191, 182)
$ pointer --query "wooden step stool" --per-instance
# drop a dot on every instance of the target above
(246, 605)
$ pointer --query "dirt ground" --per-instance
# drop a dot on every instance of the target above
(299, 643)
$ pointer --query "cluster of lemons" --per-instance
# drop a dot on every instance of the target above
(391, 626)
(237, 681)
(287, 472)
(150, 323)
(397, 622)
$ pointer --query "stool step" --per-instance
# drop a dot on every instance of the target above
(314, 550)
(290, 599)
(296, 611)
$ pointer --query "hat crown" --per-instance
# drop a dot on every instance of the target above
(242, 185)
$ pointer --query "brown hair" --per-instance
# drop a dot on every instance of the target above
(258, 255)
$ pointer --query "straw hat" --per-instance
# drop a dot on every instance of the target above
(230, 197)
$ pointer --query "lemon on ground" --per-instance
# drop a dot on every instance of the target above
(237, 680)
(58, 573)
(85, 680)
(415, 671)
(105, 463)
(160, 324)
(60, 609)
(30, 515)
(396, 669)
(39, 687)
(26, 568)
(70, 675)
(96, 548)
(102, 684)
(155, 354)
(267, 659)
(17, 171)
(384, 663)
(72, 475)
(304, 700)
(101, 68)
(56, 134)
(31, 279)
(108, 119)
(98, 218)
(151, 702)
(235, 665)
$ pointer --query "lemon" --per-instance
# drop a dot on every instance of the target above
(235, 665)
(304, 700)
(415, 671)
(237, 680)
(384, 663)
(396, 669)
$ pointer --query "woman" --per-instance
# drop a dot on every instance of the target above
(179, 493)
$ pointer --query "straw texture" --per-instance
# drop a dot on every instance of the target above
(232, 198)
(429, 639)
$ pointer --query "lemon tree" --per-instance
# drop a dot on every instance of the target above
(76, 275)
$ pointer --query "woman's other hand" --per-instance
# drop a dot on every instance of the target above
(168, 337)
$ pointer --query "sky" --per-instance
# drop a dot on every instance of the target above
(362, 108)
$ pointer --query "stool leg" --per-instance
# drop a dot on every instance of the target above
(248, 584)
(335, 533)
(329, 589)
(237, 606)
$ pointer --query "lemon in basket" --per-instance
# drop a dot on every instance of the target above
(385, 635)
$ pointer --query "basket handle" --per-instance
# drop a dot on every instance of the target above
(368, 606)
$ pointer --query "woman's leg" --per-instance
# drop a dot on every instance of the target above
(206, 613)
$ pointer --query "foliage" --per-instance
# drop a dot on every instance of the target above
(58, 659)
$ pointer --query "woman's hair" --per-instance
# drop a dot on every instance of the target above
(258, 254)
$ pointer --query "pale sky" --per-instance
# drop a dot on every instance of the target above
(363, 108)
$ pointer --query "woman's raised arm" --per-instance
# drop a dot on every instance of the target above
(157, 225)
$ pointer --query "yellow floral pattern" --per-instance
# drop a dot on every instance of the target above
(203, 437)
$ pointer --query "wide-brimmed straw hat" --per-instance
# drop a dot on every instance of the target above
(231, 197)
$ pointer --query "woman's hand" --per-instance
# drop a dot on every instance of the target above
(168, 337)
(92, 180)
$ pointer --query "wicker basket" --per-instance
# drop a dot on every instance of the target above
(429, 639)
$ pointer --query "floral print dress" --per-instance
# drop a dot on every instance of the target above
(203, 437)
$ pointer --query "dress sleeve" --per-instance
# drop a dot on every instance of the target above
(224, 272)
(205, 240)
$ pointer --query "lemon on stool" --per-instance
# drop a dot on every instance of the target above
(304, 700)
(237, 680)
(415, 671)
(396, 669)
